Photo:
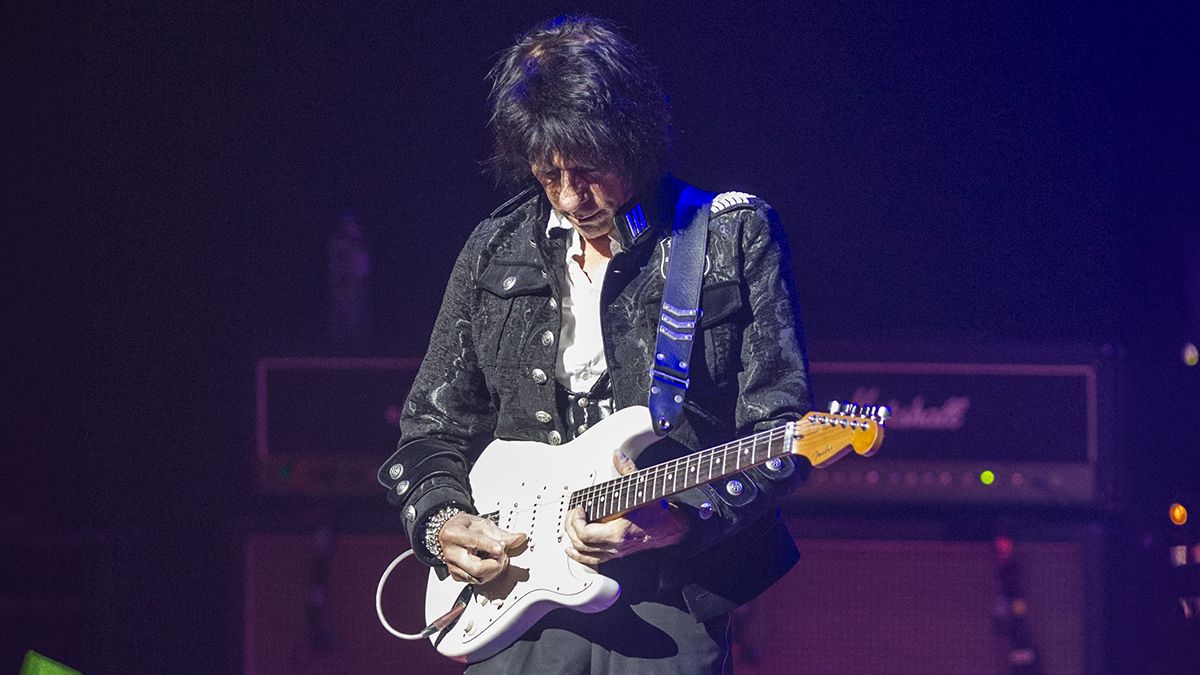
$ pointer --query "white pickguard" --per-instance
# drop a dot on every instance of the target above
(529, 484)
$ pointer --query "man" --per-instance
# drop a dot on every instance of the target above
(549, 324)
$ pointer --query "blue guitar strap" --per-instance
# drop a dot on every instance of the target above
(679, 316)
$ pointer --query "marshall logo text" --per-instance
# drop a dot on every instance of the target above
(949, 416)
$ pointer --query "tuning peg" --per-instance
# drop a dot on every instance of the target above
(835, 407)
(882, 414)
(869, 411)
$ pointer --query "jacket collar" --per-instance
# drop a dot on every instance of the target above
(648, 213)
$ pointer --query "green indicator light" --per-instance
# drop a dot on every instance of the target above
(285, 471)
(987, 478)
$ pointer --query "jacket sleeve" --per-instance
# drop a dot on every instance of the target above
(448, 416)
(773, 385)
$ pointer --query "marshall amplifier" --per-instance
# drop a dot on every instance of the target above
(983, 424)
(980, 423)
(324, 425)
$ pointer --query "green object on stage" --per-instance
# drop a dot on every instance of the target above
(36, 664)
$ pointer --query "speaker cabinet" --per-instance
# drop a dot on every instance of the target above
(906, 598)
(310, 606)
(865, 598)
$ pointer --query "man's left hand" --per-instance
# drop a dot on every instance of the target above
(652, 526)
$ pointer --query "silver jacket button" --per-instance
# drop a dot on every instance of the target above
(554, 438)
(582, 428)
(538, 375)
(396, 471)
(734, 487)
(775, 464)
(508, 283)
(542, 416)
(410, 513)
(582, 402)
(547, 338)
(706, 511)
(402, 487)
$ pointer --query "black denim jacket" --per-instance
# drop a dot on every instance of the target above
(489, 373)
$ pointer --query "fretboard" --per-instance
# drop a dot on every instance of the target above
(651, 484)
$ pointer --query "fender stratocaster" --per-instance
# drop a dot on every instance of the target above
(525, 486)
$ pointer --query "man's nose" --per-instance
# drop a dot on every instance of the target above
(572, 195)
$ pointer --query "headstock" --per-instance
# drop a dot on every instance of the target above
(824, 437)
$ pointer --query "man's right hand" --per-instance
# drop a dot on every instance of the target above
(475, 549)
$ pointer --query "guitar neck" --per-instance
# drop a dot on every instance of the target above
(645, 486)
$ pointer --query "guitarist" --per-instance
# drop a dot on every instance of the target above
(549, 323)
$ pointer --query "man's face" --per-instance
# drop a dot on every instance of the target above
(588, 197)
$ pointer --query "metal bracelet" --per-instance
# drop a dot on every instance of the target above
(434, 526)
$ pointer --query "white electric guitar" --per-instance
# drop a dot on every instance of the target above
(524, 486)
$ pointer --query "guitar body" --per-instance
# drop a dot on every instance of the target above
(528, 485)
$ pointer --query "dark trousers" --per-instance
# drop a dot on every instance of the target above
(648, 636)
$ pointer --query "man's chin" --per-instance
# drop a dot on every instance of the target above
(595, 229)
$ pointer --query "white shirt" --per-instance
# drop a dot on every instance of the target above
(580, 342)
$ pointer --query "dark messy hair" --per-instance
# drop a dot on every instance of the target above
(575, 87)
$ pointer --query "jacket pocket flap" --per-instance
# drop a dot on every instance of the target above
(508, 279)
(718, 301)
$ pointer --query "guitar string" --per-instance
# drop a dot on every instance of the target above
(624, 485)
(708, 457)
(573, 501)
(745, 452)
(768, 436)
(621, 489)
(625, 491)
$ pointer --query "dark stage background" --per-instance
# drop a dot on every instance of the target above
(979, 173)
